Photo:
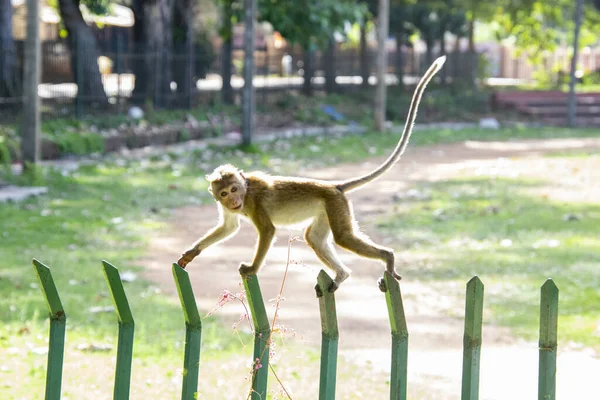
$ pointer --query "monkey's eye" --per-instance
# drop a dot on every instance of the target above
(233, 189)
(223, 194)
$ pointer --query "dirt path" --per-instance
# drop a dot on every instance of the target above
(509, 366)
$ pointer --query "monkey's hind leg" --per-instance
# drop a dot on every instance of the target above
(317, 236)
(341, 220)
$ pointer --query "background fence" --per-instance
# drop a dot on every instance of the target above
(280, 69)
(262, 336)
(277, 69)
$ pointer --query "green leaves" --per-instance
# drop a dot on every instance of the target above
(537, 26)
(310, 22)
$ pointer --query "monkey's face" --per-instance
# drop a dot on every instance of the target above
(231, 196)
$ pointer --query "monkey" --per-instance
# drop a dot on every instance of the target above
(322, 206)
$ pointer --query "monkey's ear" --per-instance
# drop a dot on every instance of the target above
(210, 189)
(242, 174)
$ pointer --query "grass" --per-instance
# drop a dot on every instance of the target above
(106, 210)
(100, 212)
(277, 110)
(513, 241)
(289, 155)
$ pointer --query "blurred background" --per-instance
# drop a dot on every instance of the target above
(112, 112)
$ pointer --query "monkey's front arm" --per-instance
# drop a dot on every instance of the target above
(229, 225)
(266, 233)
(265, 239)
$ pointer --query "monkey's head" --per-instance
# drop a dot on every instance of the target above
(228, 186)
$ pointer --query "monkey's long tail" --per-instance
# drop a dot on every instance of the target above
(403, 142)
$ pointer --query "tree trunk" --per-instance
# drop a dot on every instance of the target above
(456, 75)
(400, 60)
(383, 21)
(184, 60)
(307, 88)
(364, 55)
(444, 71)
(249, 99)
(156, 36)
(30, 128)
(572, 97)
(472, 58)
(138, 64)
(84, 55)
(9, 81)
(226, 54)
(471, 33)
(429, 43)
(330, 86)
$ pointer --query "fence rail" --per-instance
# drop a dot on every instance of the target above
(120, 61)
(393, 298)
(329, 337)
(67, 87)
(472, 339)
(329, 344)
(262, 332)
(126, 331)
(58, 324)
(193, 332)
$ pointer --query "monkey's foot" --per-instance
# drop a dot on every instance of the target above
(318, 291)
(247, 269)
(333, 287)
(382, 285)
(394, 274)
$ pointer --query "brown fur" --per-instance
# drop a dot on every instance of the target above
(270, 201)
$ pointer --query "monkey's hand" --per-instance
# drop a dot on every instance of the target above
(247, 269)
(187, 257)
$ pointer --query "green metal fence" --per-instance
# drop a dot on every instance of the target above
(329, 344)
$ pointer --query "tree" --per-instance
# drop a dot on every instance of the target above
(383, 22)
(402, 26)
(364, 56)
(329, 65)
(370, 14)
(452, 20)
(153, 33)
(9, 82)
(477, 10)
(231, 13)
(249, 100)
(536, 27)
(30, 128)
(572, 99)
(427, 22)
(310, 23)
(184, 43)
(457, 25)
(84, 50)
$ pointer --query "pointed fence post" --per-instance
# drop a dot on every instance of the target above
(398, 377)
(126, 331)
(329, 337)
(58, 324)
(193, 333)
(548, 341)
(472, 339)
(262, 331)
